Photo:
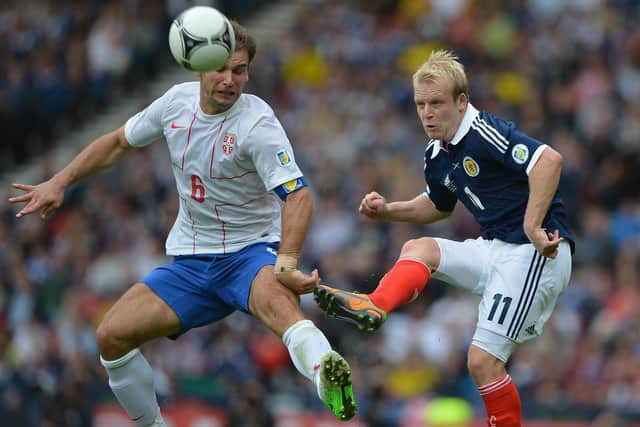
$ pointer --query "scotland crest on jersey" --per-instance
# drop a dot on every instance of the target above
(470, 166)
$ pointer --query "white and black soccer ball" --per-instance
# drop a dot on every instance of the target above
(201, 39)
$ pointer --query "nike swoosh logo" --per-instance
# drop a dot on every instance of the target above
(414, 296)
(175, 126)
(137, 418)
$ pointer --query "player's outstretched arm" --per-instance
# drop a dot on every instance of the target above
(296, 217)
(418, 210)
(47, 196)
(543, 183)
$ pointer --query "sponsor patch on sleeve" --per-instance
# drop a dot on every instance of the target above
(520, 153)
(284, 157)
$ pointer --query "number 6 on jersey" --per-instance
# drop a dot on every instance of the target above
(197, 189)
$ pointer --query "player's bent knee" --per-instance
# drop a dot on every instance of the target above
(483, 366)
(276, 306)
(104, 338)
(425, 249)
(110, 346)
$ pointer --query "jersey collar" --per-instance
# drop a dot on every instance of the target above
(469, 116)
(226, 113)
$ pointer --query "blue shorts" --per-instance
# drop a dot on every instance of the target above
(202, 289)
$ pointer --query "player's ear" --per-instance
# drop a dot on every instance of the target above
(463, 100)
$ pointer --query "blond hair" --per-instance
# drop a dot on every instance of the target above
(443, 64)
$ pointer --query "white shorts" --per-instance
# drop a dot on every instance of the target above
(519, 288)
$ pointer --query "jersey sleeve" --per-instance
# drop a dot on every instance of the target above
(503, 142)
(146, 127)
(271, 152)
(442, 198)
(524, 152)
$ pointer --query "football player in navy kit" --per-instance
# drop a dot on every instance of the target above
(520, 266)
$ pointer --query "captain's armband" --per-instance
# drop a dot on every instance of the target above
(290, 187)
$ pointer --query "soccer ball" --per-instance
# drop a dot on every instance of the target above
(201, 39)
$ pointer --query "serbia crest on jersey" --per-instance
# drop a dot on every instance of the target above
(486, 166)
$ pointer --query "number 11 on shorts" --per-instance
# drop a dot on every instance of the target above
(497, 298)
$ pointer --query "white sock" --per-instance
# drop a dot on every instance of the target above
(131, 380)
(306, 345)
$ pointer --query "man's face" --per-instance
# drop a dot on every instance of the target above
(220, 89)
(439, 113)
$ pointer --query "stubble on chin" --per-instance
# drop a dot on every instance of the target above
(432, 135)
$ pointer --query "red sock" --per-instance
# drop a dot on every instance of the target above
(502, 402)
(401, 284)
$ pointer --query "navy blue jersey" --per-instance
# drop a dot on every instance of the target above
(486, 167)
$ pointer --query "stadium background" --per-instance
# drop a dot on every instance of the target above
(338, 75)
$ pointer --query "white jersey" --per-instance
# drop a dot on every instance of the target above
(225, 166)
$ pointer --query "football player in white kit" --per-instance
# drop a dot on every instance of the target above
(521, 265)
(233, 166)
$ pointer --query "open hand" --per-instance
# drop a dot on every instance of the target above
(44, 198)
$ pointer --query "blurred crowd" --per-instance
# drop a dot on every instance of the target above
(63, 61)
(567, 72)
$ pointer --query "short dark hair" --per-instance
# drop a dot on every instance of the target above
(244, 40)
